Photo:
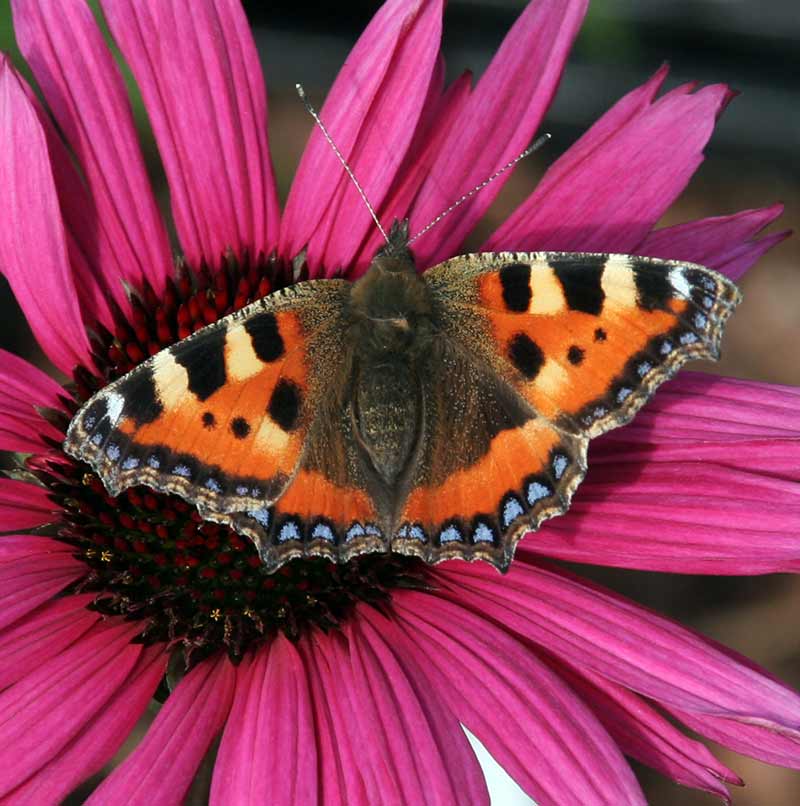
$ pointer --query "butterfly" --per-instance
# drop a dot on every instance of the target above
(439, 415)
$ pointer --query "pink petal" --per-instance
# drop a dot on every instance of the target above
(23, 387)
(533, 724)
(23, 505)
(41, 713)
(644, 734)
(340, 773)
(592, 628)
(211, 130)
(28, 581)
(439, 117)
(384, 80)
(162, 767)
(740, 515)
(91, 255)
(626, 110)
(695, 407)
(22, 382)
(83, 87)
(609, 195)
(44, 633)
(411, 740)
(501, 117)
(271, 708)
(16, 547)
(724, 243)
(97, 743)
(33, 253)
(750, 740)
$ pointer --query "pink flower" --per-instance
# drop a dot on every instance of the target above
(556, 676)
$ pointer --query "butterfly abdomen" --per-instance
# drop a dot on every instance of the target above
(391, 325)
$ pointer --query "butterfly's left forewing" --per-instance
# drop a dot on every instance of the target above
(578, 342)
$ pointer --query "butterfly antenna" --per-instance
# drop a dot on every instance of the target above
(538, 143)
(313, 112)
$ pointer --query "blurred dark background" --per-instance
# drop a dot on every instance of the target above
(752, 161)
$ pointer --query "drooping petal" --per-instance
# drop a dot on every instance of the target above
(609, 197)
(44, 711)
(340, 773)
(642, 512)
(595, 629)
(162, 767)
(27, 581)
(533, 724)
(33, 252)
(85, 91)
(725, 243)
(47, 631)
(271, 708)
(384, 81)
(750, 740)
(411, 740)
(643, 733)
(499, 120)
(92, 748)
(695, 407)
(212, 130)
(23, 505)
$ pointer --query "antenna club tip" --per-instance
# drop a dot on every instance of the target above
(300, 91)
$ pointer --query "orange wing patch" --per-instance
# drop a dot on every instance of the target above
(219, 418)
(313, 517)
(589, 337)
(250, 426)
(481, 511)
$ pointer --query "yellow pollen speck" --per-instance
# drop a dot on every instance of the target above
(89, 553)
(106, 556)
(216, 614)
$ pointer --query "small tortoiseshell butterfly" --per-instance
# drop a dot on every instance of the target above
(438, 415)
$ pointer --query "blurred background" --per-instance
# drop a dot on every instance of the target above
(751, 161)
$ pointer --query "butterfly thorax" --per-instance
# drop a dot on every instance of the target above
(391, 323)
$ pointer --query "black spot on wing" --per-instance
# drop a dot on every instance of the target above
(526, 355)
(575, 355)
(580, 280)
(240, 428)
(265, 336)
(209, 420)
(139, 392)
(515, 279)
(284, 405)
(653, 288)
(600, 334)
(204, 360)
